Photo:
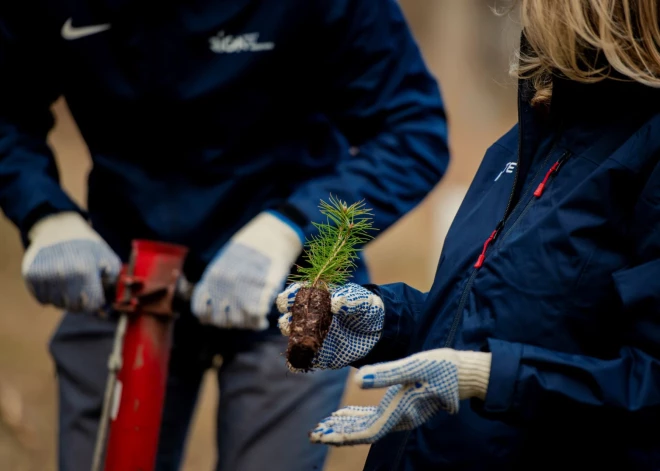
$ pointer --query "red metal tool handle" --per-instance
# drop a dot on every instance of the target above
(139, 364)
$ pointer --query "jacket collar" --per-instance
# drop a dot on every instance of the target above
(595, 109)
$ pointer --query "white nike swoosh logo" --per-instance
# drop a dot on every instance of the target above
(70, 32)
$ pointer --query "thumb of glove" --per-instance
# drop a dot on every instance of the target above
(286, 298)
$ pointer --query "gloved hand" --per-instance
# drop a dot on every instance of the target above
(356, 326)
(67, 263)
(420, 386)
(238, 288)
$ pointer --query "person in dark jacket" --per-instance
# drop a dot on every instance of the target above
(219, 126)
(538, 344)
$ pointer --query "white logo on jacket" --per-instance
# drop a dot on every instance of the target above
(70, 32)
(223, 43)
(508, 168)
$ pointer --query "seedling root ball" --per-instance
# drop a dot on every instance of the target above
(310, 324)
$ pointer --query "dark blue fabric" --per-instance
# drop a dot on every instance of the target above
(189, 144)
(567, 299)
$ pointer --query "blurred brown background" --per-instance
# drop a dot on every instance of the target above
(467, 47)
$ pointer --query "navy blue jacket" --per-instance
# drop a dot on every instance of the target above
(198, 115)
(552, 264)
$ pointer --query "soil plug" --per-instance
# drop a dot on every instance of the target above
(331, 256)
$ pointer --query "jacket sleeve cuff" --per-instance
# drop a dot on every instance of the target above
(294, 216)
(45, 209)
(505, 364)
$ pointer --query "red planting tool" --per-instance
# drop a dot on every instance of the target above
(128, 433)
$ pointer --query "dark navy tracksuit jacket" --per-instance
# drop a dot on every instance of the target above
(552, 264)
(200, 114)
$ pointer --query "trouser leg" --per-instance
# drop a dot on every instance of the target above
(266, 412)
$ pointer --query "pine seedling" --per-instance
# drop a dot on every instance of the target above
(330, 256)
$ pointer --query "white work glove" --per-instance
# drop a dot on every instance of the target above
(420, 386)
(67, 263)
(238, 288)
(357, 324)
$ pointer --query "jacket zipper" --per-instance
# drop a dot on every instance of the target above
(550, 173)
(468, 284)
(507, 212)
(482, 256)
(554, 169)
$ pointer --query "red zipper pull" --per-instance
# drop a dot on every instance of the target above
(482, 256)
(541, 187)
(553, 169)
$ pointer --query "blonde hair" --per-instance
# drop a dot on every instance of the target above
(588, 41)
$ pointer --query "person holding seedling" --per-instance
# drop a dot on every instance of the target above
(538, 345)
